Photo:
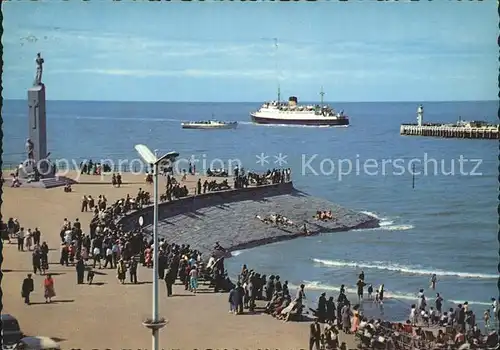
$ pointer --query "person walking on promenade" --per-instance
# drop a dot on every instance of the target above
(28, 240)
(36, 236)
(49, 291)
(27, 288)
(96, 255)
(44, 257)
(121, 271)
(20, 240)
(90, 276)
(193, 279)
(36, 257)
(133, 271)
(238, 303)
(80, 271)
(232, 298)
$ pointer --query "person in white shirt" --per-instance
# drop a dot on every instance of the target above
(413, 316)
(108, 258)
(20, 240)
(67, 237)
(211, 262)
(494, 306)
(96, 254)
(28, 239)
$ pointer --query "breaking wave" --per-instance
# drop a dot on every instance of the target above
(387, 224)
(395, 295)
(414, 270)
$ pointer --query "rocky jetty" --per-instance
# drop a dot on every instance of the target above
(231, 217)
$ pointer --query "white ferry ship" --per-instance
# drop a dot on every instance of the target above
(291, 113)
(209, 124)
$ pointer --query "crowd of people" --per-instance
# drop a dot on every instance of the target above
(276, 219)
(456, 328)
(91, 168)
(271, 176)
(324, 215)
(116, 180)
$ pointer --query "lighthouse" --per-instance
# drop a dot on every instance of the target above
(420, 115)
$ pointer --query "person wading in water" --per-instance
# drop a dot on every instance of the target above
(433, 281)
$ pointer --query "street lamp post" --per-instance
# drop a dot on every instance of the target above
(155, 324)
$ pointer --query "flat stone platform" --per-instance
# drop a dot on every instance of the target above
(229, 217)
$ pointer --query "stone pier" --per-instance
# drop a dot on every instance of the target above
(229, 217)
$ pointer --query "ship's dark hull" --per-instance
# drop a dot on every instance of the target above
(307, 122)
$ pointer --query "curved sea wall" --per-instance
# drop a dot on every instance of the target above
(193, 203)
(230, 217)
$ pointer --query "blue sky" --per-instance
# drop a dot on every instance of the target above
(358, 51)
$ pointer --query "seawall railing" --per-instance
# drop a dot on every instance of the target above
(64, 166)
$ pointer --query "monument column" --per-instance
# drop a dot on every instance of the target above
(37, 116)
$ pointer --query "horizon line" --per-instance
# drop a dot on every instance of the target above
(152, 101)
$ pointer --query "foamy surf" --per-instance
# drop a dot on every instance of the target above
(396, 295)
(386, 223)
(414, 270)
(236, 253)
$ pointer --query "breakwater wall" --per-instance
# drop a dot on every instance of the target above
(233, 218)
(210, 199)
(446, 131)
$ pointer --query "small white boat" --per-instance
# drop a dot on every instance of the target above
(209, 124)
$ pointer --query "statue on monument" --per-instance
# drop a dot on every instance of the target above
(39, 69)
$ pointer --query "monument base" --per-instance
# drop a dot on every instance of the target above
(35, 171)
(46, 182)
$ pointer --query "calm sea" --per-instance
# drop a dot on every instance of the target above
(445, 224)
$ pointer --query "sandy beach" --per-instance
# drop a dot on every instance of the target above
(108, 314)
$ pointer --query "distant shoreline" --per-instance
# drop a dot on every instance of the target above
(239, 102)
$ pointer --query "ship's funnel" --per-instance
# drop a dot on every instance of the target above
(292, 101)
